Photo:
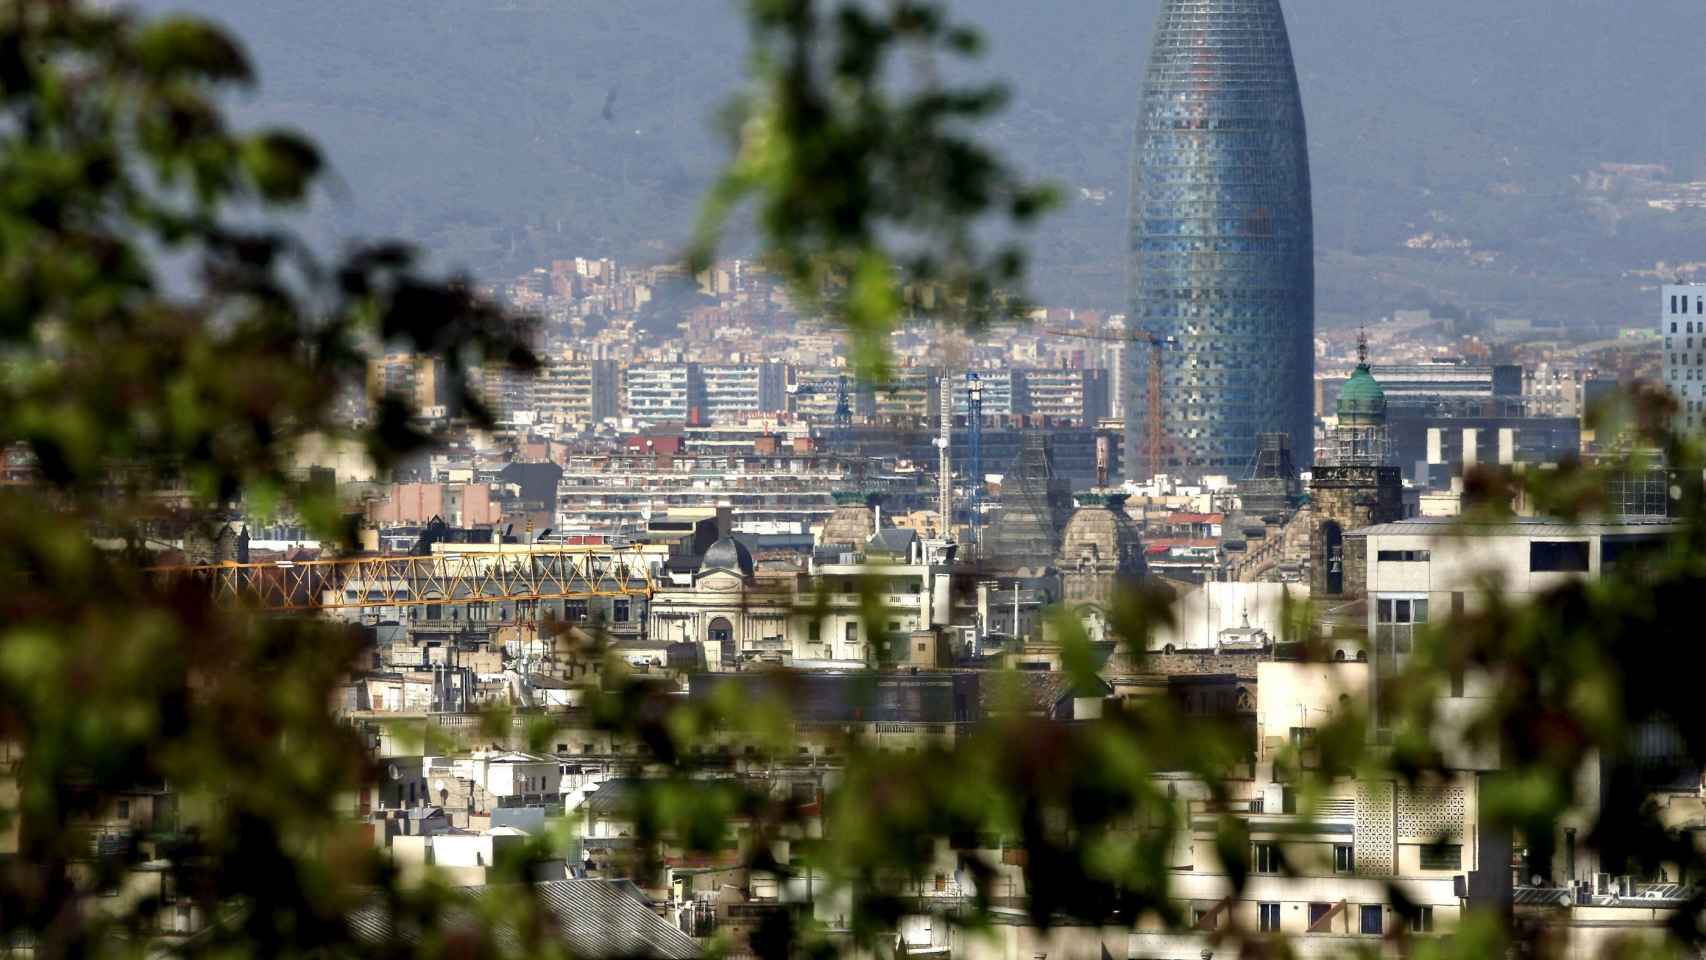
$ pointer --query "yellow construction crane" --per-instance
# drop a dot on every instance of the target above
(570, 572)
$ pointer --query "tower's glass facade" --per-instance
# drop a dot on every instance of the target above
(1222, 241)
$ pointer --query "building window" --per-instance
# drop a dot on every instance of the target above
(852, 633)
(1558, 556)
(1264, 858)
(1442, 856)
(1371, 917)
(814, 631)
(574, 611)
(1270, 917)
(1344, 858)
(1422, 920)
(619, 611)
(1317, 911)
(1403, 556)
(1395, 624)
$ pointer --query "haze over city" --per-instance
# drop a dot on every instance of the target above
(798, 479)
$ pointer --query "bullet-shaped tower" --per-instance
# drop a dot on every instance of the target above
(1222, 241)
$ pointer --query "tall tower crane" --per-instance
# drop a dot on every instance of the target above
(945, 458)
(974, 437)
(1154, 427)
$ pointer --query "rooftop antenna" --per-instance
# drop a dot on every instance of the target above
(1362, 346)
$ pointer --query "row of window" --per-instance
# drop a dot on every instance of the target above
(1679, 304)
(1371, 918)
(1265, 857)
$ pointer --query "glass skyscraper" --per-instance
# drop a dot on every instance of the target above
(1222, 242)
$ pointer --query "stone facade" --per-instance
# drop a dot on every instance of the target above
(1101, 552)
(1346, 498)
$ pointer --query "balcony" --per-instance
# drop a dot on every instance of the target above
(1336, 816)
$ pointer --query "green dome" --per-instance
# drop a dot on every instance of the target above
(1361, 400)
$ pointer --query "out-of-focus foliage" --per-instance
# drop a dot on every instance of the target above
(869, 189)
(137, 723)
(113, 154)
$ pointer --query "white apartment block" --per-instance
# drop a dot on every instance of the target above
(1683, 326)
(1000, 393)
(736, 391)
(663, 392)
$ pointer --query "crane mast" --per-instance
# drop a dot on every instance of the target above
(945, 459)
(974, 438)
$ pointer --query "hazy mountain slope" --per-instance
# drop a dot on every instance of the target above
(503, 132)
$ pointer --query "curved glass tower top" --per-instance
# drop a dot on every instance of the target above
(1222, 241)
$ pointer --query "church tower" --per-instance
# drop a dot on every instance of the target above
(1354, 486)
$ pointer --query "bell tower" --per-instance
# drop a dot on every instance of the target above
(1353, 486)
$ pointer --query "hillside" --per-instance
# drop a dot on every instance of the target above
(501, 133)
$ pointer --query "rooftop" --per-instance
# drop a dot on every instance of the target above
(1521, 527)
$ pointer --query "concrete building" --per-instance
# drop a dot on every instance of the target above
(1067, 395)
(1322, 873)
(577, 394)
(735, 391)
(418, 380)
(1441, 563)
(909, 396)
(1446, 378)
(1683, 326)
(1003, 393)
(663, 392)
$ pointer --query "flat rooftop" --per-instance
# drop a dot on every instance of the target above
(1522, 527)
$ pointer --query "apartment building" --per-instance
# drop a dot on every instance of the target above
(1002, 393)
(1073, 394)
(663, 392)
(1683, 326)
(577, 394)
(418, 380)
(735, 391)
(909, 395)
